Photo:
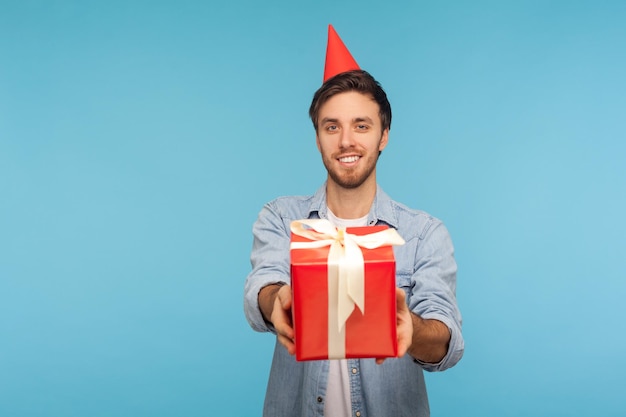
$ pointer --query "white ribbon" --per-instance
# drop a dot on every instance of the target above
(346, 274)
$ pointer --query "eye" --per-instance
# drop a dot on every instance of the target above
(332, 128)
(362, 127)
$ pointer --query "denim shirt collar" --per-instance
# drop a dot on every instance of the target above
(380, 212)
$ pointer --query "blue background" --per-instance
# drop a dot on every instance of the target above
(139, 140)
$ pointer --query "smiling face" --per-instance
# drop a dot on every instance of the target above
(350, 137)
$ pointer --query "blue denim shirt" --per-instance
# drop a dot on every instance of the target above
(425, 269)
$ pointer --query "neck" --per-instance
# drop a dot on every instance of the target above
(350, 203)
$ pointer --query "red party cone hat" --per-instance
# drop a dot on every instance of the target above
(338, 58)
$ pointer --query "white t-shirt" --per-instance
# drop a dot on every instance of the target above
(338, 402)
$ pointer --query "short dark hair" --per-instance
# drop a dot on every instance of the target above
(357, 80)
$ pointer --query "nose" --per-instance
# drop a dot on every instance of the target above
(346, 140)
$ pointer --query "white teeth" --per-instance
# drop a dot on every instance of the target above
(349, 159)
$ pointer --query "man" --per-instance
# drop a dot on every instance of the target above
(352, 117)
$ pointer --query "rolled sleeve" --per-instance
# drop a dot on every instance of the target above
(433, 294)
(270, 263)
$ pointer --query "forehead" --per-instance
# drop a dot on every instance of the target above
(349, 105)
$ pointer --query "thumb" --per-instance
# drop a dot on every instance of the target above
(401, 300)
(284, 296)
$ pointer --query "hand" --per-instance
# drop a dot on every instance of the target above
(281, 319)
(404, 325)
(275, 305)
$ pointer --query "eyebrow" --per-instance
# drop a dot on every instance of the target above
(328, 120)
(363, 119)
(355, 120)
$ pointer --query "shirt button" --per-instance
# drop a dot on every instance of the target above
(357, 414)
(354, 371)
(320, 399)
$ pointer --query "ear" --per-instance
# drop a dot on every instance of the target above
(384, 139)
(317, 142)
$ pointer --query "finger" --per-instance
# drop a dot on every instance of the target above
(285, 330)
(405, 325)
(379, 361)
(401, 299)
(402, 349)
(284, 296)
(281, 312)
(287, 344)
(282, 322)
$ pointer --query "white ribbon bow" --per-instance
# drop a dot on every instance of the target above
(346, 275)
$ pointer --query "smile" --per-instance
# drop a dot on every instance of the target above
(349, 159)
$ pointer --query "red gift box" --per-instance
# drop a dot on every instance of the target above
(370, 328)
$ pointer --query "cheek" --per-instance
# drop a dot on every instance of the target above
(324, 147)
